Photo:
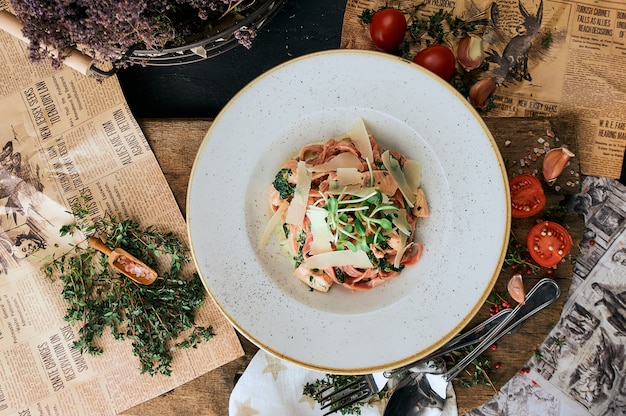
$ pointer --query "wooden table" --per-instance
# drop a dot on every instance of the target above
(175, 143)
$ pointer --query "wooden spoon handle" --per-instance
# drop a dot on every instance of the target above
(99, 245)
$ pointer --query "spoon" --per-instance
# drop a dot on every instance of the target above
(424, 393)
(125, 263)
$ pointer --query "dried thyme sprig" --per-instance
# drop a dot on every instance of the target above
(153, 317)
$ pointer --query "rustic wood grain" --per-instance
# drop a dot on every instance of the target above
(175, 143)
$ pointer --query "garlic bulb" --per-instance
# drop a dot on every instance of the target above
(554, 162)
(516, 289)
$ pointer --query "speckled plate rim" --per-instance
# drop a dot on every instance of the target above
(270, 311)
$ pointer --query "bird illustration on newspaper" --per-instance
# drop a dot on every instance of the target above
(514, 47)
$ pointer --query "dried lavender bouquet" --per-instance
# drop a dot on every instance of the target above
(106, 30)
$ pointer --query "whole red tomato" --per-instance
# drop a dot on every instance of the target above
(438, 59)
(387, 28)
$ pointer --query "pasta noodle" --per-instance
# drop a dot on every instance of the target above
(344, 219)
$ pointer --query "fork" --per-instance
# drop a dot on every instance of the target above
(359, 390)
(364, 387)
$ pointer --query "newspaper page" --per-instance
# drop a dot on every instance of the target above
(580, 369)
(602, 203)
(548, 57)
(63, 134)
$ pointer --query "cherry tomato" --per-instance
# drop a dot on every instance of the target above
(438, 59)
(527, 197)
(548, 242)
(387, 28)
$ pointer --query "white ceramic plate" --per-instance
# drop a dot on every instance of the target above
(314, 98)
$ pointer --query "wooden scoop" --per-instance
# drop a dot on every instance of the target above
(125, 263)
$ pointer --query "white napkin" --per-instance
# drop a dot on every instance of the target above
(273, 387)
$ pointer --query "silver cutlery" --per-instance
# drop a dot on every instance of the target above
(543, 293)
(425, 393)
(364, 387)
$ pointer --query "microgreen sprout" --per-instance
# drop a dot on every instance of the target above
(357, 222)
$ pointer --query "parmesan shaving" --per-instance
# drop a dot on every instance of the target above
(401, 249)
(341, 258)
(319, 229)
(401, 222)
(348, 176)
(342, 160)
(297, 207)
(413, 174)
(276, 219)
(393, 166)
(361, 139)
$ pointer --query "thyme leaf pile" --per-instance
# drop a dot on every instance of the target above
(476, 374)
(157, 318)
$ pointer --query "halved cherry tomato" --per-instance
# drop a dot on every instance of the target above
(387, 28)
(548, 242)
(527, 197)
(438, 59)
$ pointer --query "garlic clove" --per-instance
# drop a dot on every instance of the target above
(554, 162)
(480, 92)
(470, 52)
(516, 289)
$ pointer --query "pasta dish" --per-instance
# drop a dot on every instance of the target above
(345, 211)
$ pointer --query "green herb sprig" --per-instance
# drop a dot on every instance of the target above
(477, 373)
(437, 27)
(518, 258)
(157, 318)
